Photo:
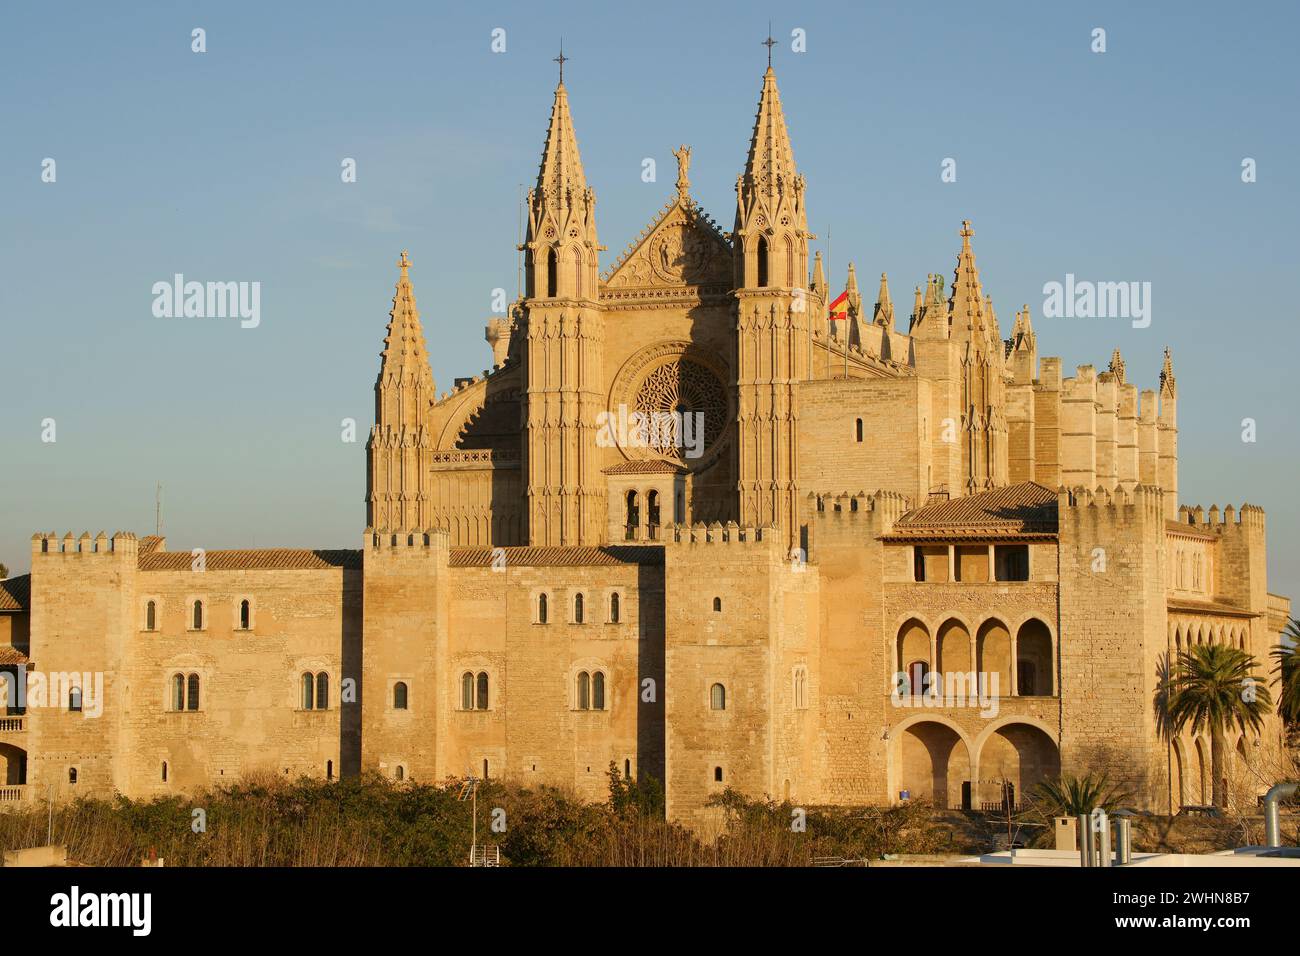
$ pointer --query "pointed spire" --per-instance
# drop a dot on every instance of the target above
(1167, 386)
(819, 274)
(1117, 365)
(770, 179)
(884, 314)
(1022, 333)
(405, 354)
(967, 300)
(854, 296)
(560, 179)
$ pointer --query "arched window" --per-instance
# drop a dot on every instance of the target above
(577, 608)
(245, 615)
(652, 511)
(467, 691)
(859, 430)
(597, 691)
(322, 691)
(916, 673)
(717, 605)
(178, 692)
(613, 608)
(308, 692)
(74, 699)
(717, 774)
(72, 775)
(482, 702)
(196, 618)
(192, 697)
(762, 262)
(551, 273)
(399, 695)
(329, 769)
(632, 516)
(541, 609)
(718, 697)
(800, 687)
(150, 616)
(164, 771)
(400, 772)
(584, 691)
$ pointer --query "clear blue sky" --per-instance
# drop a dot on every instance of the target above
(225, 166)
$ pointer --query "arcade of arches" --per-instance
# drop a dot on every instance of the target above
(932, 760)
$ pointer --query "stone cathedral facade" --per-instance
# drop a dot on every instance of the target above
(688, 525)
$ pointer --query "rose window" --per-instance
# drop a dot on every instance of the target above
(673, 390)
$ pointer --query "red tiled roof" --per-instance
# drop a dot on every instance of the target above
(1026, 508)
(650, 466)
(1209, 607)
(149, 542)
(9, 655)
(262, 559)
(1196, 531)
(558, 557)
(15, 593)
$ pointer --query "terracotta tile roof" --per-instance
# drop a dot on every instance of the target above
(1026, 508)
(1209, 607)
(149, 542)
(651, 466)
(262, 559)
(15, 593)
(1195, 531)
(10, 655)
(558, 557)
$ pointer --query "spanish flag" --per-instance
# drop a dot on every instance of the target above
(839, 309)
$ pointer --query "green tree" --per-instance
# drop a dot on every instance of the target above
(1071, 796)
(1288, 674)
(1212, 688)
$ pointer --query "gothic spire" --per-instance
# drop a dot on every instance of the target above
(770, 188)
(884, 314)
(1117, 365)
(560, 179)
(1167, 387)
(405, 355)
(967, 302)
(819, 275)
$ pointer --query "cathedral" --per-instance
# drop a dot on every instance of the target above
(703, 520)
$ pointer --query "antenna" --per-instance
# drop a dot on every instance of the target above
(519, 271)
(157, 510)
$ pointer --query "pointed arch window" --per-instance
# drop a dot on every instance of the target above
(192, 693)
(597, 691)
(763, 255)
(481, 703)
(552, 273)
(178, 692)
(308, 692)
(322, 691)
(399, 695)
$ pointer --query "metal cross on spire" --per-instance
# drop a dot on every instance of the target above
(562, 59)
(769, 43)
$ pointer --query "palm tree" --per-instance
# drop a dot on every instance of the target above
(1071, 796)
(1214, 687)
(1288, 673)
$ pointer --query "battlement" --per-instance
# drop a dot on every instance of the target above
(1071, 502)
(1195, 516)
(888, 506)
(123, 543)
(430, 540)
(718, 533)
